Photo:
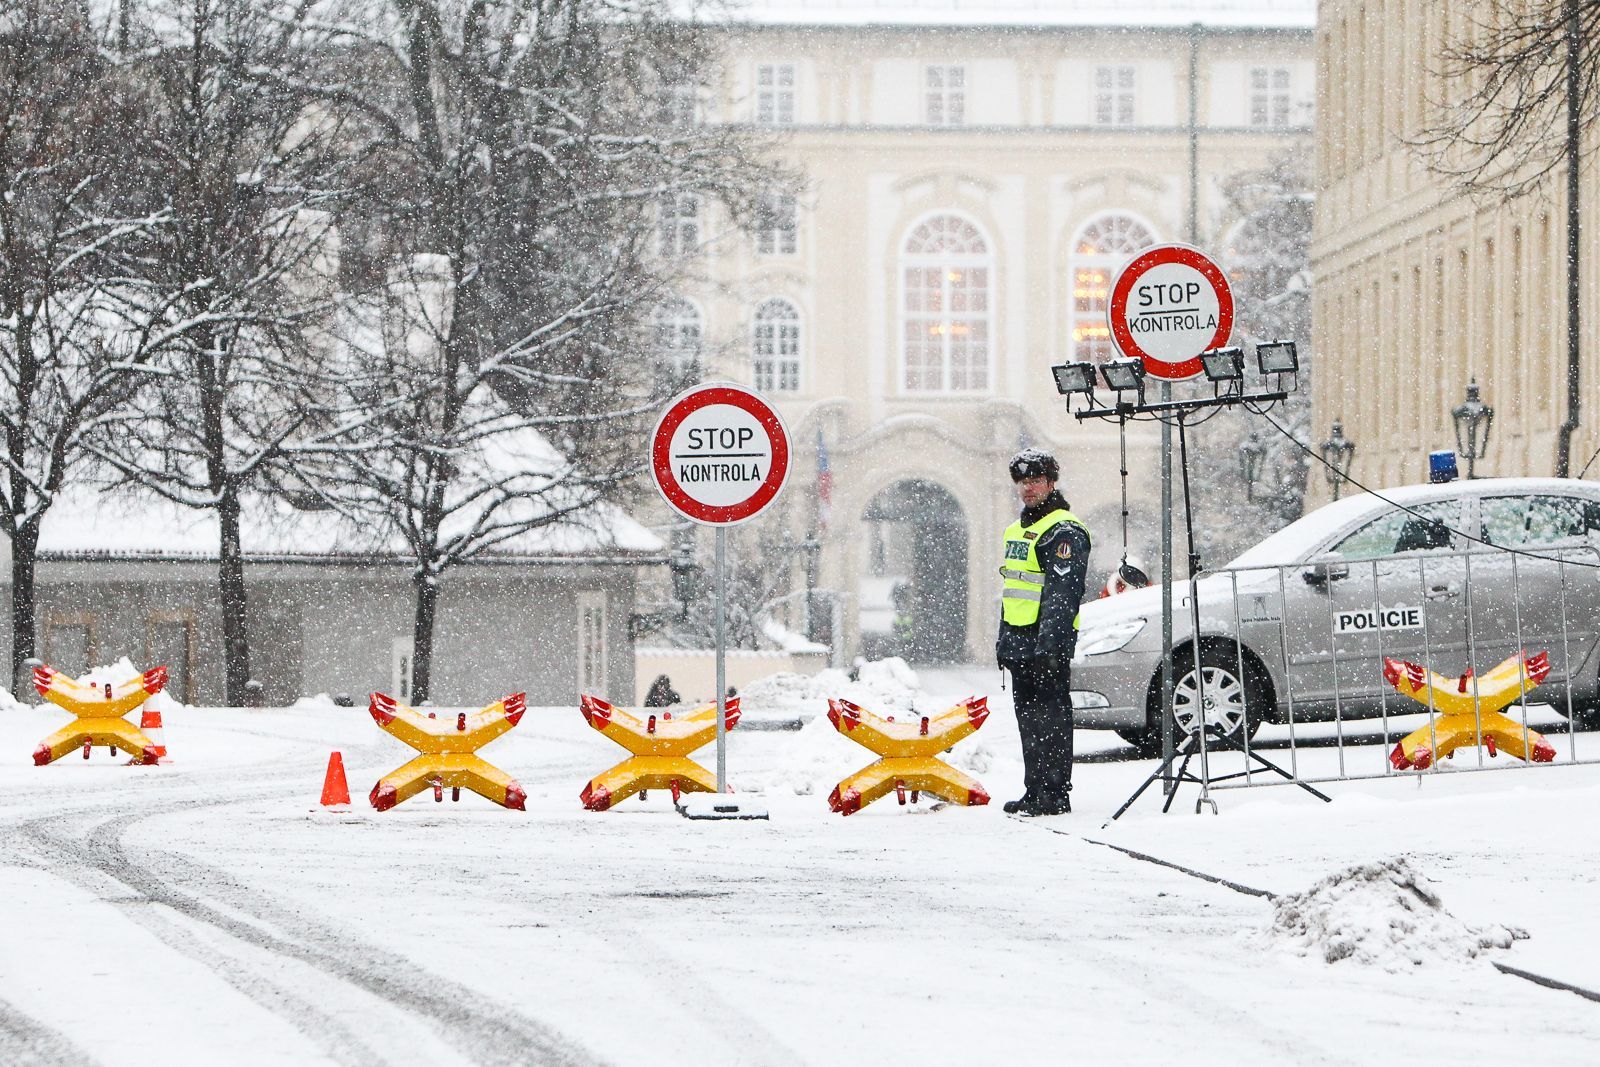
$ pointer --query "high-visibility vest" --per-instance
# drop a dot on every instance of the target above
(1023, 584)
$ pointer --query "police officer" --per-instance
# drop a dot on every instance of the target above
(1045, 565)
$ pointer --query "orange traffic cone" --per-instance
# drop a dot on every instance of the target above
(150, 723)
(335, 790)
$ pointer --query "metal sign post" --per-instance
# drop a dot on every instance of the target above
(722, 660)
(720, 456)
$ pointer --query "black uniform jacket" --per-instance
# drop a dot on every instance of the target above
(1063, 552)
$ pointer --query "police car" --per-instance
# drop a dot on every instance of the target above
(1297, 627)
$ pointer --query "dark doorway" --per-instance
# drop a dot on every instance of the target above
(914, 599)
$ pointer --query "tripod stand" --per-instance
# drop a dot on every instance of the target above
(1197, 740)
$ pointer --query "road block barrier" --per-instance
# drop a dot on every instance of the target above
(1468, 711)
(99, 711)
(908, 764)
(660, 745)
(447, 748)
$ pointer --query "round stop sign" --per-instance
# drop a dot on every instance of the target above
(1168, 305)
(719, 454)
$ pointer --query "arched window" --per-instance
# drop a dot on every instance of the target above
(946, 271)
(677, 339)
(1102, 246)
(775, 347)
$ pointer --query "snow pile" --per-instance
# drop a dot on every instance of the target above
(888, 687)
(119, 671)
(814, 760)
(9, 702)
(817, 757)
(1383, 913)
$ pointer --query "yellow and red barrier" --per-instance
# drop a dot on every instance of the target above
(908, 763)
(447, 752)
(1464, 705)
(99, 711)
(660, 745)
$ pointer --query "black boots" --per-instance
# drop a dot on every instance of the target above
(1032, 805)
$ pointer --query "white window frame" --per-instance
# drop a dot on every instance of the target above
(679, 229)
(1115, 249)
(971, 274)
(776, 334)
(592, 641)
(944, 94)
(1271, 96)
(778, 226)
(402, 667)
(775, 84)
(678, 104)
(1116, 95)
(678, 335)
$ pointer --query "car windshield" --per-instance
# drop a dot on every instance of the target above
(1290, 544)
(1306, 534)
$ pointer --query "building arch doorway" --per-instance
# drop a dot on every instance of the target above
(914, 584)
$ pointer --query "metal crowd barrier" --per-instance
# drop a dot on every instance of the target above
(1360, 612)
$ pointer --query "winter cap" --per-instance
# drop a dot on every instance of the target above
(1032, 462)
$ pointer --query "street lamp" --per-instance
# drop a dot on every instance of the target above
(812, 547)
(1251, 454)
(685, 575)
(1470, 415)
(1337, 452)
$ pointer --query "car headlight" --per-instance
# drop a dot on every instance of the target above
(1100, 641)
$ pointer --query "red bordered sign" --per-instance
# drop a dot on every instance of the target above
(719, 454)
(1168, 305)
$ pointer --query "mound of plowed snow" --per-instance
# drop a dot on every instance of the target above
(888, 687)
(1385, 914)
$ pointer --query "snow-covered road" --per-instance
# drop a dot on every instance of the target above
(202, 913)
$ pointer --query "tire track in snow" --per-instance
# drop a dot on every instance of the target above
(741, 1032)
(492, 1037)
(26, 1042)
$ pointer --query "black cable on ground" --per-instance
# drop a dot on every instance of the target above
(1503, 968)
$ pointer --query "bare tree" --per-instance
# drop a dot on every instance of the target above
(539, 198)
(1519, 87)
(63, 370)
(1268, 258)
(759, 582)
(245, 158)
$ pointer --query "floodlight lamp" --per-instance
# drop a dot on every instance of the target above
(1124, 375)
(1074, 378)
(1223, 364)
(1278, 357)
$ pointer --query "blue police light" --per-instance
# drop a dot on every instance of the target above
(1442, 466)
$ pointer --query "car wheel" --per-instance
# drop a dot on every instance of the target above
(1234, 704)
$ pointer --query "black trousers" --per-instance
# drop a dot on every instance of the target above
(1044, 719)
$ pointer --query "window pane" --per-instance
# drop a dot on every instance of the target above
(1518, 521)
(1424, 527)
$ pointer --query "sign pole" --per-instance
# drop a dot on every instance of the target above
(722, 674)
(720, 455)
(1168, 305)
(1169, 784)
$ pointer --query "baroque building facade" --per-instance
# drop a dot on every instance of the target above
(1420, 287)
(970, 190)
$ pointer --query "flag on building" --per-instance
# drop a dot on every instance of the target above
(824, 485)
